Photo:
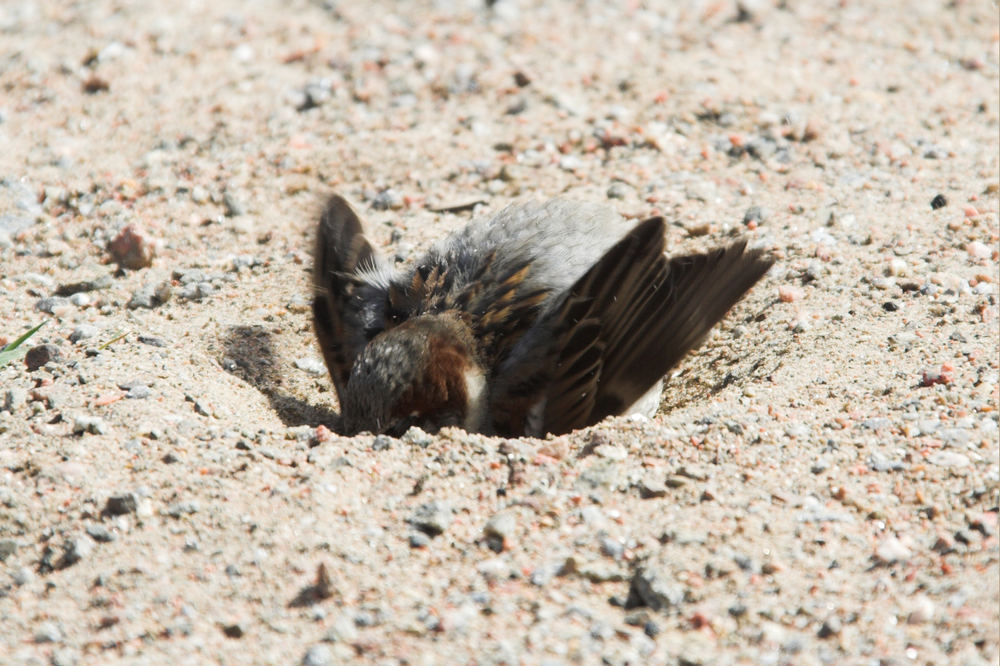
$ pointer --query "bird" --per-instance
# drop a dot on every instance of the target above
(543, 319)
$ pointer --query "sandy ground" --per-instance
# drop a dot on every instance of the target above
(820, 486)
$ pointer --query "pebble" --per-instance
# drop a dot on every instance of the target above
(75, 550)
(14, 398)
(387, 199)
(80, 300)
(132, 248)
(618, 190)
(949, 459)
(652, 487)
(178, 509)
(120, 505)
(318, 655)
(41, 355)
(831, 627)
(978, 250)
(922, 610)
(419, 540)
(432, 518)
(651, 586)
(199, 194)
(23, 576)
(311, 365)
(233, 205)
(83, 332)
(8, 547)
(150, 296)
(756, 214)
(417, 436)
(500, 529)
(56, 305)
(100, 533)
(789, 294)
(135, 389)
(48, 632)
(86, 423)
(892, 550)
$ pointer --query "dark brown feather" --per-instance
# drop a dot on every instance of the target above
(341, 249)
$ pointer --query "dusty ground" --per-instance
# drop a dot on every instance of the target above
(820, 486)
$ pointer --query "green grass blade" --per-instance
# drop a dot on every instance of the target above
(11, 351)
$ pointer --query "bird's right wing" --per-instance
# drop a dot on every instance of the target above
(341, 295)
(618, 330)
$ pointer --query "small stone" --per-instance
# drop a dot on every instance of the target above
(150, 296)
(418, 437)
(432, 518)
(897, 267)
(318, 655)
(74, 550)
(789, 294)
(311, 365)
(651, 586)
(500, 529)
(48, 632)
(120, 505)
(939, 201)
(132, 248)
(7, 548)
(755, 214)
(831, 627)
(85, 423)
(138, 391)
(100, 533)
(949, 459)
(923, 610)
(83, 332)
(178, 509)
(234, 207)
(388, 199)
(978, 250)
(80, 300)
(199, 194)
(652, 487)
(23, 576)
(55, 305)
(14, 398)
(932, 376)
(419, 540)
(40, 355)
(234, 630)
(618, 190)
(892, 550)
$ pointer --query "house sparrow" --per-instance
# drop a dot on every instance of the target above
(545, 318)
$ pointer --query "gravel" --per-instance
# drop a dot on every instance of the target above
(820, 485)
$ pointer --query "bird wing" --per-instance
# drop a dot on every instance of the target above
(618, 330)
(348, 310)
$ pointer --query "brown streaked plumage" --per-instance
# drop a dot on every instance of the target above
(543, 319)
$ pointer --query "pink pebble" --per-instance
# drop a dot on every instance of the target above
(978, 250)
(132, 248)
(788, 294)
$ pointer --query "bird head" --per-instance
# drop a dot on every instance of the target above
(423, 372)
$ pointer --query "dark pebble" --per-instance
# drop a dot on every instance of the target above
(120, 505)
(939, 202)
(889, 306)
(152, 341)
(40, 355)
(233, 631)
(830, 628)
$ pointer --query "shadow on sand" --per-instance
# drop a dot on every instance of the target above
(249, 354)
